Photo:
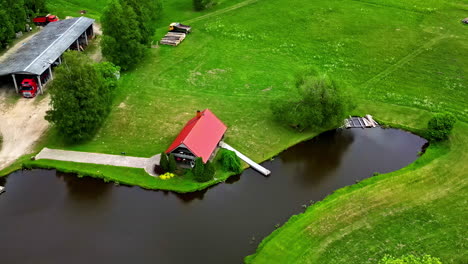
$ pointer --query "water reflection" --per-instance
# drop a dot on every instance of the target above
(322, 155)
(58, 218)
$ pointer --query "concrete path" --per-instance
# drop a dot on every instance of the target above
(104, 159)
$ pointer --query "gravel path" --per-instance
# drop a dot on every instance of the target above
(96, 158)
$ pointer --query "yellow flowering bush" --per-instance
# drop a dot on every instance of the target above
(167, 176)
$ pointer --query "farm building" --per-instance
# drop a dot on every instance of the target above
(199, 138)
(36, 57)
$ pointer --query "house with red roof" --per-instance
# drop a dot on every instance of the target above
(199, 138)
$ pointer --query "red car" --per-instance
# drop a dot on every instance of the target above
(29, 88)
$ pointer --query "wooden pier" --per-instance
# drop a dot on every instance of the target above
(360, 122)
(252, 164)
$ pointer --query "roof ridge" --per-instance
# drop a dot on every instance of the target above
(51, 44)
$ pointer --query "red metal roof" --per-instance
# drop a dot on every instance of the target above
(200, 135)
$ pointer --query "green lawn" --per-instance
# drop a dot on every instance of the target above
(401, 60)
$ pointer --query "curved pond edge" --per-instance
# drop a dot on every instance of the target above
(25, 163)
(337, 194)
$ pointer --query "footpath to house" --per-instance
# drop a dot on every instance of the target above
(104, 159)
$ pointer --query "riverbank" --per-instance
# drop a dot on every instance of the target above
(416, 210)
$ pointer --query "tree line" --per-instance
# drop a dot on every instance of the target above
(128, 27)
(15, 14)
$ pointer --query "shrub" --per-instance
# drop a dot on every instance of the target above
(200, 5)
(410, 259)
(230, 161)
(199, 170)
(319, 103)
(167, 176)
(440, 126)
(209, 172)
(172, 166)
(164, 162)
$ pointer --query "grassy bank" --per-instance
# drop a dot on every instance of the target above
(236, 71)
(401, 60)
(417, 210)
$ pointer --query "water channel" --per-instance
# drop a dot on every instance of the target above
(49, 217)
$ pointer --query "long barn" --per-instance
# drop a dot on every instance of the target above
(36, 57)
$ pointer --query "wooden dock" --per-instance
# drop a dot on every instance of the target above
(252, 164)
(360, 122)
(173, 38)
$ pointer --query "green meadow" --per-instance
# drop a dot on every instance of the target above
(401, 61)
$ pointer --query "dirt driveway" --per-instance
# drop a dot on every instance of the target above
(21, 125)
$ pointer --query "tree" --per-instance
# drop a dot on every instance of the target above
(36, 7)
(230, 161)
(164, 162)
(319, 103)
(410, 259)
(440, 126)
(79, 97)
(7, 32)
(172, 163)
(121, 41)
(146, 13)
(199, 169)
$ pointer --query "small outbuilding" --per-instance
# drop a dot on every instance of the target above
(199, 138)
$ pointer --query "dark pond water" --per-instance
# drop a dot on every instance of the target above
(48, 217)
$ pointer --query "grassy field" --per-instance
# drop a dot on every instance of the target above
(401, 60)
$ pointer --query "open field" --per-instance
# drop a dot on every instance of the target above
(401, 60)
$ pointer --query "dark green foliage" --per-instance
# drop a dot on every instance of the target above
(121, 41)
(80, 98)
(320, 103)
(440, 126)
(146, 13)
(36, 7)
(209, 171)
(14, 14)
(203, 172)
(109, 72)
(128, 27)
(172, 163)
(230, 161)
(410, 259)
(199, 170)
(200, 5)
(164, 162)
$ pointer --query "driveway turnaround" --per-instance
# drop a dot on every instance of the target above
(96, 158)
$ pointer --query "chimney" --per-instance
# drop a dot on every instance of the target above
(199, 114)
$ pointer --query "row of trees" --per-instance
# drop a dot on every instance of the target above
(128, 27)
(15, 14)
(81, 96)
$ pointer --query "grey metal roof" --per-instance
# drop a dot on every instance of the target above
(35, 56)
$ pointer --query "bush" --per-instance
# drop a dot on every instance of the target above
(172, 166)
(319, 103)
(199, 170)
(230, 161)
(410, 259)
(200, 5)
(164, 162)
(209, 172)
(440, 126)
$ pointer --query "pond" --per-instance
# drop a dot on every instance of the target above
(49, 217)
